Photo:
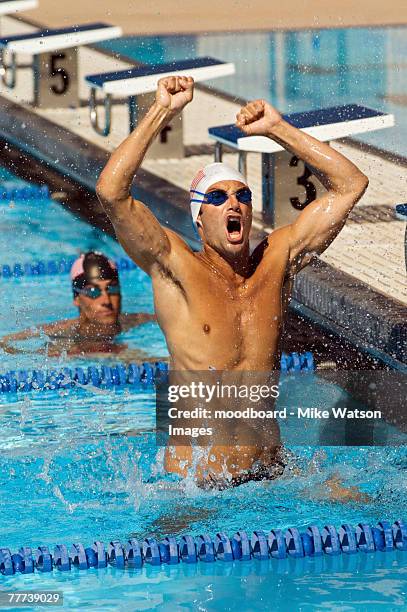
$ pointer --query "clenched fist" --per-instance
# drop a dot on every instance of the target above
(257, 118)
(174, 92)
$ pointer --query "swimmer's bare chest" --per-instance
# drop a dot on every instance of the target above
(215, 321)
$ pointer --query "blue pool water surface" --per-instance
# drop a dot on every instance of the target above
(300, 70)
(82, 464)
(46, 231)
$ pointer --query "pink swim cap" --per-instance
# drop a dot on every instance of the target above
(78, 267)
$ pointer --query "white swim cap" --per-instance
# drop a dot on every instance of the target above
(207, 176)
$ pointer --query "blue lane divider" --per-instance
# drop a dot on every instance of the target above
(53, 267)
(277, 544)
(11, 191)
(297, 362)
(104, 377)
(119, 375)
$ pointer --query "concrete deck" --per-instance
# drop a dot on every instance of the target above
(170, 17)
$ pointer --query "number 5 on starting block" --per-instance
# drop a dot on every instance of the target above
(55, 60)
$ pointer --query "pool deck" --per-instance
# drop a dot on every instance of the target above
(162, 16)
(359, 283)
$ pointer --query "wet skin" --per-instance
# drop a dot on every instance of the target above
(232, 310)
(223, 307)
(232, 305)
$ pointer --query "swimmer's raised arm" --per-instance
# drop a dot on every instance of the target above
(321, 221)
(136, 227)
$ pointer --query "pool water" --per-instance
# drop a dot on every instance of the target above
(46, 231)
(90, 461)
(80, 467)
(300, 70)
(361, 582)
(82, 464)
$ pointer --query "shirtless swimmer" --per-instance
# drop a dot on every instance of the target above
(230, 302)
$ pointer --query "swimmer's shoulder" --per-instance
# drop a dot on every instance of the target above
(275, 245)
(177, 242)
(280, 237)
(60, 328)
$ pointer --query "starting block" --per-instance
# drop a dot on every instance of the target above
(55, 61)
(10, 7)
(288, 185)
(138, 86)
(7, 7)
(401, 213)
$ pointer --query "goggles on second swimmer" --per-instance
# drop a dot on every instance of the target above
(219, 196)
(95, 292)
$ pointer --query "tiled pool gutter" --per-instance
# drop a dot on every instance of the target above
(334, 299)
(354, 310)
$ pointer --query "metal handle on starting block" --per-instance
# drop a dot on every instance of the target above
(93, 113)
(8, 72)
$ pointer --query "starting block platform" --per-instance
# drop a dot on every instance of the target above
(288, 185)
(8, 7)
(135, 83)
(54, 71)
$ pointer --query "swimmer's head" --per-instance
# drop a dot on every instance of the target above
(221, 208)
(96, 288)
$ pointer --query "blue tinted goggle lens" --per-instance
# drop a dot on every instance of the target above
(218, 196)
(95, 292)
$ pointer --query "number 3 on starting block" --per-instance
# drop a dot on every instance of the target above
(294, 187)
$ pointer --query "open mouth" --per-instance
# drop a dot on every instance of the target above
(234, 228)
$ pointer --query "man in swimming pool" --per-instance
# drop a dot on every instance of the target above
(96, 291)
(230, 302)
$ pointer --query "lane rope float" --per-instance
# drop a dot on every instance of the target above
(119, 375)
(54, 267)
(275, 544)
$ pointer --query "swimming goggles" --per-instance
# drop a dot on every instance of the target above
(95, 292)
(219, 196)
